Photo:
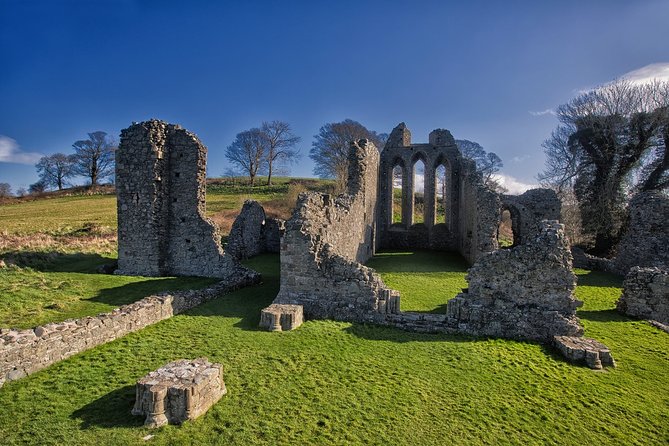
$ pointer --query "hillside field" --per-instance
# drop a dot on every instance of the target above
(324, 383)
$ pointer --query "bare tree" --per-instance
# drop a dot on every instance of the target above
(5, 190)
(611, 142)
(280, 145)
(248, 152)
(54, 170)
(330, 148)
(94, 157)
(21, 192)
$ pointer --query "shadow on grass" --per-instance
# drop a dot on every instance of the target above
(418, 261)
(132, 292)
(599, 279)
(603, 316)
(58, 262)
(382, 333)
(110, 411)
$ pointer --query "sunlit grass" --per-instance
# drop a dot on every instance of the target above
(341, 383)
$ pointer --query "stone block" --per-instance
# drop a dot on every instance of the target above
(584, 350)
(179, 391)
(281, 317)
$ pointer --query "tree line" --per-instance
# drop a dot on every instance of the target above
(610, 143)
(259, 150)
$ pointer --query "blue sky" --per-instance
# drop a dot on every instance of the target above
(487, 71)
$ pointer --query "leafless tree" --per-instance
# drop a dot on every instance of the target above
(94, 157)
(247, 152)
(329, 151)
(5, 190)
(54, 170)
(280, 145)
(37, 188)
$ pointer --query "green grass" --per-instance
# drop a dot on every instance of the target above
(67, 215)
(340, 383)
(426, 280)
(58, 216)
(69, 287)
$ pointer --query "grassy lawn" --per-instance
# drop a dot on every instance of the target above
(426, 280)
(340, 383)
(68, 287)
(71, 215)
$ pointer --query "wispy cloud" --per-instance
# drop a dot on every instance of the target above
(520, 159)
(548, 111)
(659, 71)
(10, 152)
(513, 185)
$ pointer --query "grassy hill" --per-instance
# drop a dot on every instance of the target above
(327, 382)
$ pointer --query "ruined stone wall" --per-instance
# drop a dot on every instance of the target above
(646, 239)
(521, 293)
(479, 215)
(646, 294)
(161, 186)
(23, 352)
(325, 242)
(529, 209)
(253, 233)
(471, 210)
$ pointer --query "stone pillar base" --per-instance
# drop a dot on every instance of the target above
(281, 317)
(179, 391)
(584, 350)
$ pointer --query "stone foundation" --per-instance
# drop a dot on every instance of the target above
(646, 294)
(586, 351)
(281, 317)
(179, 391)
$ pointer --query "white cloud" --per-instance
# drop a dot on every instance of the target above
(548, 111)
(520, 159)
(10, 152)
(513, 185)
(659, 71)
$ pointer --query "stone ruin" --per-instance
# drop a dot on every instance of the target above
(162, 226)
(646, 294)
(645, 239)
(522, 293)
(179, 391)
(252, 233)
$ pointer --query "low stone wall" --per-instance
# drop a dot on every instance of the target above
(23, 352)
(646, 294)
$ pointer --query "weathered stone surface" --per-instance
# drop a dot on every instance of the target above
(645, 242)
(161, 187)
(472, 210)
(521, 293)
(528, 210)
(179, 391)
(281, 317)
(586, 351)
(325, 242)
(646, 294)
(252, 233)
(26, 351)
